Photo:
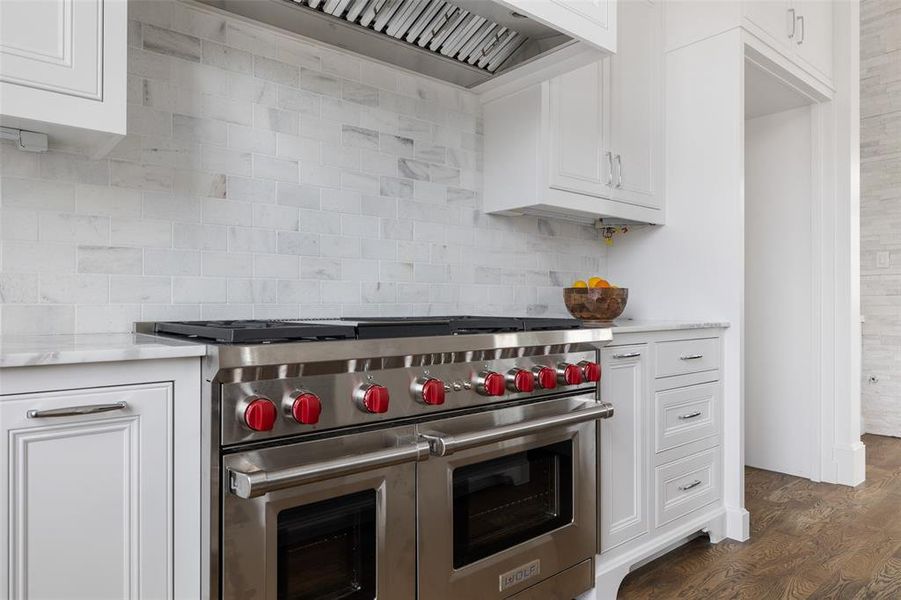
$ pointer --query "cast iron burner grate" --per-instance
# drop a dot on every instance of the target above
(257, 331)
(367, 328)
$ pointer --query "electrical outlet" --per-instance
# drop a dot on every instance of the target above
(883, 259)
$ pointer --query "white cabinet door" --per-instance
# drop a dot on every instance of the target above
(774, 20)
(579, 157)
(88, 509)
(624, 456)
(63, 71)
(54, 45)
(814, 36)
(592, 21)
(636, 105)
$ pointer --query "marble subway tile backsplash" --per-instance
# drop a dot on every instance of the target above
(268, 176)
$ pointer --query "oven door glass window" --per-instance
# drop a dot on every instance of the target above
(326, 550)
(512, 499)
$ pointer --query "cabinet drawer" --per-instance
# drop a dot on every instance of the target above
(687, 356)
(685, 485)
(685, 415)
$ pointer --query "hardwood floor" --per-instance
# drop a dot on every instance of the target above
(808, 540)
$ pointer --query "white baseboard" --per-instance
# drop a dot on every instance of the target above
(850, 464)
(738, 523)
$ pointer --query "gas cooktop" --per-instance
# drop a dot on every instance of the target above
(348, 328)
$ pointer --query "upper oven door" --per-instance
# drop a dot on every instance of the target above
(508, 498)
(332, 518)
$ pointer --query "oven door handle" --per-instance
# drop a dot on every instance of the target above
(443, 445)
(256, 483)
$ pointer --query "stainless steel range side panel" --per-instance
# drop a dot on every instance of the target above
(339, 409)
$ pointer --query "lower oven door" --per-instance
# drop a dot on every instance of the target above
(330, 519)
(508, 499)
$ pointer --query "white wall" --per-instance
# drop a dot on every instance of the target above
(691, 268)
(267, 176)
(779, 369)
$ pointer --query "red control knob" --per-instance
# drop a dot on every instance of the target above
(591, 371)
(432, 392)
(260, 414)
(491, 383)
(520, 380)
(374, 398)
(569, 374)
(306, 408)
(547, 377)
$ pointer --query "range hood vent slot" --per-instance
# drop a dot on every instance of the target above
(435, 25)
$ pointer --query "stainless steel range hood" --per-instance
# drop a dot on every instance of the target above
(465, 42)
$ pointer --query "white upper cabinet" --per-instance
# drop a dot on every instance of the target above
(579, 159)
(592, 21)
(814, 36)
(801, 30)
(588, 143)
(63, 69)
(636, 107)
(775, 20)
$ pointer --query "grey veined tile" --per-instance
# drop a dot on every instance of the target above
(358, 137)
(413, 169)
(164, 41)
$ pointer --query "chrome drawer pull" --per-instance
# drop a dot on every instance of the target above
(691, 485)
(628, 355)
(442, 444)
(75, 411)
(256, 483)
(690, 415)
(691, 356)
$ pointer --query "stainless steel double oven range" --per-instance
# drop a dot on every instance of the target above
(394, 459)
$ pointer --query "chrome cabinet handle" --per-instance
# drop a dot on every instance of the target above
(690, 415)
(75, 411)
(791, 22)
(256, 483)
(619, 176)
(444, 445)
(801, 23)
(609, 156)
(628, 355)
(691, 356)
(688, 486)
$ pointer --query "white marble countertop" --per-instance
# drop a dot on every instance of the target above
(34, 350)
(642, 326)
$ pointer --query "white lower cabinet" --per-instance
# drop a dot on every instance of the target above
(624, 456)
(661, 461)
(89, 512)
(685, 485)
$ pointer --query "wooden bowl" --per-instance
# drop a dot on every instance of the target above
(595, 304)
